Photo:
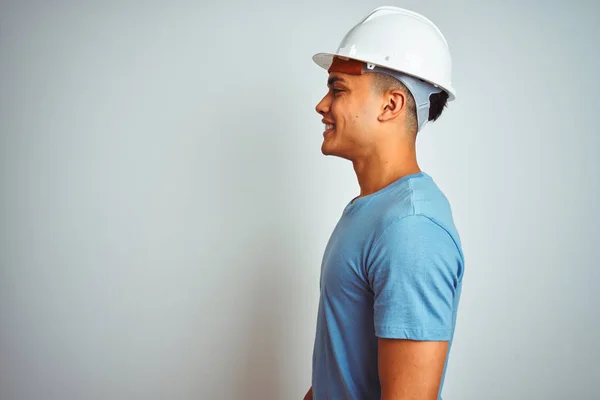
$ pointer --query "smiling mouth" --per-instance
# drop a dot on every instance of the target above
(329, 128)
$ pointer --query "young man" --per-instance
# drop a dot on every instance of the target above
(392, 271)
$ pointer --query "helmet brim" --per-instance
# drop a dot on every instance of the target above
(324, 61)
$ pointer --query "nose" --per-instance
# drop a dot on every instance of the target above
(324, 105)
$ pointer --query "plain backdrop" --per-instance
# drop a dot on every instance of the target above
(164, 203)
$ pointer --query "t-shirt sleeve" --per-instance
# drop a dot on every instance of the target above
(414, 273)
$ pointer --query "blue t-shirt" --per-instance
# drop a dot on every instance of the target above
(392, 268)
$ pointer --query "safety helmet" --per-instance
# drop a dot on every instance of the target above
(399, 40)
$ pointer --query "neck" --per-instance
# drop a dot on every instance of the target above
(381, 168)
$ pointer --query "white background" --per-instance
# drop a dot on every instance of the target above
(165, 205)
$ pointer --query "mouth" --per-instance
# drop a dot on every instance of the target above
(328, 128)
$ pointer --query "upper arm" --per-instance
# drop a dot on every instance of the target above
(414, 271)
(410, 370)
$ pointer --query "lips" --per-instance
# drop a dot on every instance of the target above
(329, 126)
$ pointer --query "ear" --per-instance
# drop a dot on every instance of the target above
(394, 102)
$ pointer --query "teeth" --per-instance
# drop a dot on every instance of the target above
(328, 126)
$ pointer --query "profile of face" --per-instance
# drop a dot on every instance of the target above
(348, 113)
(353, 114)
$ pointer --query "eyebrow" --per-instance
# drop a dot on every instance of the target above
(335, 79)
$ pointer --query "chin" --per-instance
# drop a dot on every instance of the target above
(329, 150)
(326, 150)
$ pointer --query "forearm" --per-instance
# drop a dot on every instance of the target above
(407, 396)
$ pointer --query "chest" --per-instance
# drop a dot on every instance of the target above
(343, 272)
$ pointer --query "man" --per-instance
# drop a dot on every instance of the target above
(392, 270)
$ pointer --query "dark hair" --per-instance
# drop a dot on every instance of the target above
(437, 103)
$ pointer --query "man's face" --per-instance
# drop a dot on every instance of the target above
(349, 109)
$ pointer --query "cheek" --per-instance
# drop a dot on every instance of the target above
(345, 111)
(354, 117)
(361, 118)
(337, 107)
(368, 114)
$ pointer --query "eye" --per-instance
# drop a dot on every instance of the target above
(336, 90)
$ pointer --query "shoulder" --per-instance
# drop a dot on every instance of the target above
(412, 232)
(419, 204)
(416, 244)
(417, 195)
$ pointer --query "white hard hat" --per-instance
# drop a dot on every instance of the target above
(399, 40)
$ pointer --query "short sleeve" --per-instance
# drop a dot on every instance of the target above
(413, 270)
